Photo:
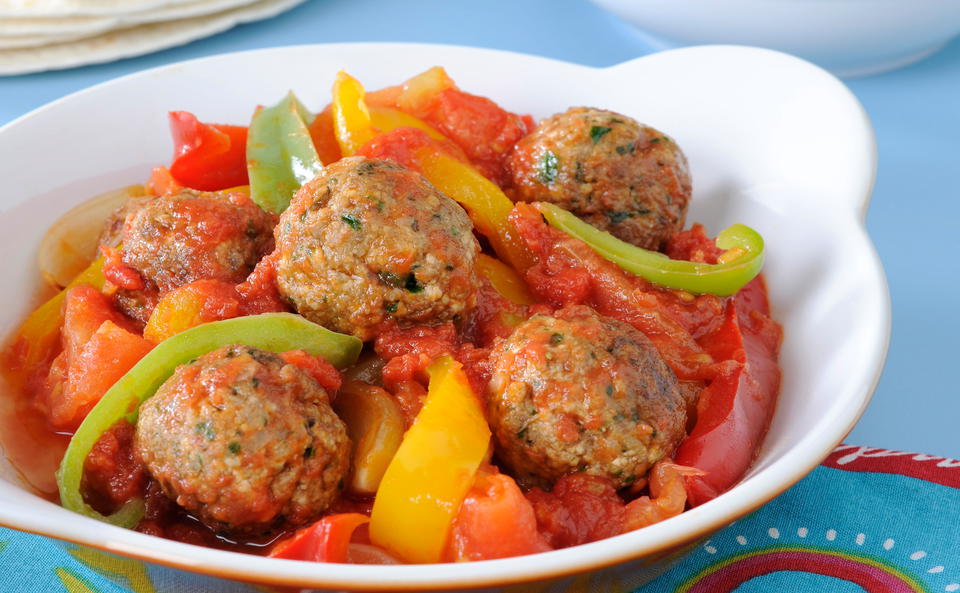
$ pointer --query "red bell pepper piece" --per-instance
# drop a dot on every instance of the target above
(324, 541)
(734, 410)
(207, 157)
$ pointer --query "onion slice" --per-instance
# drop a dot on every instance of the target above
(70, 244)
(369, 554)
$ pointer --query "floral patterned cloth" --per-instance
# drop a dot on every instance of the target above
(866, 520)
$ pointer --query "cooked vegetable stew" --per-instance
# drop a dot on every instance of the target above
(411, 327)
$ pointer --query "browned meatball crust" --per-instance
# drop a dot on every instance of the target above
(111, 234)
(244, 441)
(176, 239)
(618, 175)
(368, 240)
(581, 392)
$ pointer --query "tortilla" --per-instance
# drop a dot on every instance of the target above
(134, 41)
(69, 8)
(77, 26)
(18, 41)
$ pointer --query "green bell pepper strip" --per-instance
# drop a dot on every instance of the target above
(722, 279)
(277, 332)
(281, 156)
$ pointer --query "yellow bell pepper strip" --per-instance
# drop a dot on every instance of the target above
(280, 153)
(738, 265)
(486, 203)
(237, 189)
(375, 426)
(277, 332)
(385, 119)
(505, 280)
(191, 305)
(38, 338)
(351, 118)
(432, 471)
(356, 123)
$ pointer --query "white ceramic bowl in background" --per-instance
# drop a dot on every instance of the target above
(772, 141)
(848, 37)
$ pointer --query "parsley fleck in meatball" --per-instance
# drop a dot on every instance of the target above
(581, 392)
(245, 441)
(367, 241)
(616, 174)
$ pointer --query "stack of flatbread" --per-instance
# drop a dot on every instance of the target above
(40, 35)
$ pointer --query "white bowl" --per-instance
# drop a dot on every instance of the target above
(848, 37)
(772, 141)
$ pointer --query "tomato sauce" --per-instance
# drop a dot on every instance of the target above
(580, 508)
(258, 293)
(401, 145)
(164, 518)
(409, 351)
(481, 128)
(112, 473)
(118, 273)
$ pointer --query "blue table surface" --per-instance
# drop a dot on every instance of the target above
(913, 217)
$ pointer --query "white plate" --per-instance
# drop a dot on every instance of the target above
(848, 37)
(773, 142)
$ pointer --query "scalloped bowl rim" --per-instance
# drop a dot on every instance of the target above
(843, 198)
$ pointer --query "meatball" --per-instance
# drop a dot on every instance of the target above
(367, 241)
(616, 174)
(245, 441)
(176, 239)
(111, 235)
(581, 392)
